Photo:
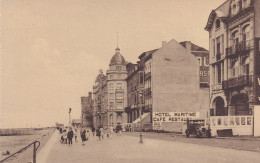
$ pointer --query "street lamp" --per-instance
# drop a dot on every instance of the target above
(141, 105)
(69, 117)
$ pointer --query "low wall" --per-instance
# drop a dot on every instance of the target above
(18, 131)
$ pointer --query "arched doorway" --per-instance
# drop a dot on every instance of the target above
(219, 106)
(240, 102)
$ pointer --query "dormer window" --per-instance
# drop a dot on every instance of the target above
(234, 9)
(118, 68)
(217, 24)
(244, 4)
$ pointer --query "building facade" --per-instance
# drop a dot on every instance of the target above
(87, 110)
(233, 31)
(110, 93)
(100, 100)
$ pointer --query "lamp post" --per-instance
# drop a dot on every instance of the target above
(69, 117)
(141, 105)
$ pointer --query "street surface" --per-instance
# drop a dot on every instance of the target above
(128, 149)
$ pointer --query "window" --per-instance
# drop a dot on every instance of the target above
(111, 86)
(214, 52)
(218, 45)
(235, 37)
(244, 4)
(111, 106)
(246, 66)
(118, 68)
(234, 8)
(219, 73)
(119, 118)
(222, 44)
(235, 69)
(246, 31)
(119, 85)
(111, 96)
(119, 105)
(119, 95)
(141, 78)
(217, 24)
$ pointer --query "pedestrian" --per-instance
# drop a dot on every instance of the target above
(70, 136)
(76, 135)
(118, 129)
(93, 131)
(83, 137)
(65, 136)
(87, 135)
(98, 134)
(111, 131)
(101, 132)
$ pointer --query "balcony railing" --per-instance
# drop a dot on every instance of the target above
(147, 76)
(218, 56)
(240, 48)
(237, 81)
(216, 88)
(148, 91)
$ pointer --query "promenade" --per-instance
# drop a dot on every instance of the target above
(127, 149)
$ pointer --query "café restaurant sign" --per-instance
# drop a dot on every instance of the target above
(159, 117)
(174, 116)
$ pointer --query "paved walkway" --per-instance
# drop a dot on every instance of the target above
(127, 149)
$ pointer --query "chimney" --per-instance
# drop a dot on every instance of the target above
(188, 46)
(163, 43)
(90, 94)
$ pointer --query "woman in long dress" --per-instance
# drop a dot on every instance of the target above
(83, 137)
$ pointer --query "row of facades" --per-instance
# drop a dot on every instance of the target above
(222, 84)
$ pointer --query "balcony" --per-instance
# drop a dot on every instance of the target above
(218, 56)
(237, 81)
(148, 76)
(240, 48)
(148, 91)
(216, 88)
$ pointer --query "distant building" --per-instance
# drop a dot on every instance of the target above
(110, 93)
(76, 122)
(175, 87)
(166, 88)
(87, 110)
(135, 86)
(234, 34)
(203, 56)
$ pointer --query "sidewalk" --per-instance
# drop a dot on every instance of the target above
(128, 149)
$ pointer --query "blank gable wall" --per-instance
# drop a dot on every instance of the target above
(175, 78)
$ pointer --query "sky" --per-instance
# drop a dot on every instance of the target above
(52, 50)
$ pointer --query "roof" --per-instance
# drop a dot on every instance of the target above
(194, 47)
(145, 54)
(117, 59)
(221, 12)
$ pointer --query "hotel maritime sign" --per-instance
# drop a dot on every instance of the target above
(159, 117)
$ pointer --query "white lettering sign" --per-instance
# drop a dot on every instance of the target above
(174, 116)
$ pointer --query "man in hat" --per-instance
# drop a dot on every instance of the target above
(70, 136)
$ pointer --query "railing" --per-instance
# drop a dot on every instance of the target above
(237, 81)
(148, 91)
(223, 121)
(147, 76)
(36, 144)
(216, 88)
(240, 125)
(23, 149)
(240, 48)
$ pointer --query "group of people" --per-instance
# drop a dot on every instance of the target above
(100, 132)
